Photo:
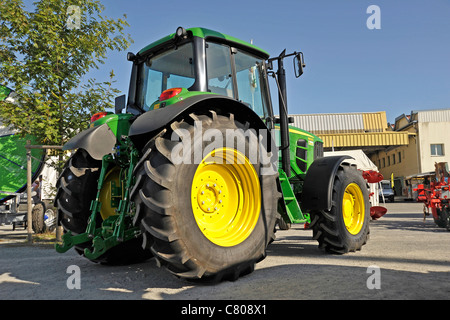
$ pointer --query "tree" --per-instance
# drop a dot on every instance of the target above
(45, 57)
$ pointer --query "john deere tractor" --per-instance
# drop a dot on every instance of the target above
(198, 170)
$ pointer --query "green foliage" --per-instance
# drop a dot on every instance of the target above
(45, 56)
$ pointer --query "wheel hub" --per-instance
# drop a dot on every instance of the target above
(211, 195)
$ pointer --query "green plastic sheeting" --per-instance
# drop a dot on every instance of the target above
(13, 158)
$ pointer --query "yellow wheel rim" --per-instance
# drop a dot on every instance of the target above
(226, 197)
(353, 208)
(112, 179)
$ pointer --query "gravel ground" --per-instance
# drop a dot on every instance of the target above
(406, 258)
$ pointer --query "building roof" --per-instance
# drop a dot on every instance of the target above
(436, 115)
(342, 122)
(366, 130)
(441, 115)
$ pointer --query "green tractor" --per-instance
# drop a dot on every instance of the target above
(198, 170)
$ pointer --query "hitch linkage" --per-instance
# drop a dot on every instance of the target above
(115, 229)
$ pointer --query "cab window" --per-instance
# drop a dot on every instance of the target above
(218, 68)
(250, 82)
(237, 74)
(173, 68)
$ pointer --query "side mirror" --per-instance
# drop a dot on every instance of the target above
(299, 64)
(119, 104)
(131, 56)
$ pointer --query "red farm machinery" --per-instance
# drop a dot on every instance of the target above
(435, 195)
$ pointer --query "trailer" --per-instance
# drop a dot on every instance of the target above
(13, 178)
(13, 212)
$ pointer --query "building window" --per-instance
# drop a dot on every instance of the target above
(437, 149)
(393, 158)
(399, 157)
(384, 162)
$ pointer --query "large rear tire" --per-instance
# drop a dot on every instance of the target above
(77, 187)
(345, 227)
(210, 220)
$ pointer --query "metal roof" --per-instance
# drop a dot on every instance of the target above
(364, 139)
(330, 123)
(403, 121)
(351, 130)
(442, 115)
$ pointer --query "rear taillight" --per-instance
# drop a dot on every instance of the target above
(169, 93)
(99, 115)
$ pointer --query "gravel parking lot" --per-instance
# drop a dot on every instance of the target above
(406, 258)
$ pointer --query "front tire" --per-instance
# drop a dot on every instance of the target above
(345, 227)
(210, 220)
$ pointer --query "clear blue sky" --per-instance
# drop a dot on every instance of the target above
(403, 66)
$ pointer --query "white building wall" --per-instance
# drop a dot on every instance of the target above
(433, 133)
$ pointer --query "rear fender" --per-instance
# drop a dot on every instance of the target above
(97, 141)
(149, 124)
(319, 181)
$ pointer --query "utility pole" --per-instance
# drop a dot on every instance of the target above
(29, 215)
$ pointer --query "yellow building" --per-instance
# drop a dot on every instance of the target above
(429, 143)
(368, 131)
(408, 148)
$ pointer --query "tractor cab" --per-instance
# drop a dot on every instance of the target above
(197, 61)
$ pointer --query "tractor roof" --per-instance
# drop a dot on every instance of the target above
(210, 34)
